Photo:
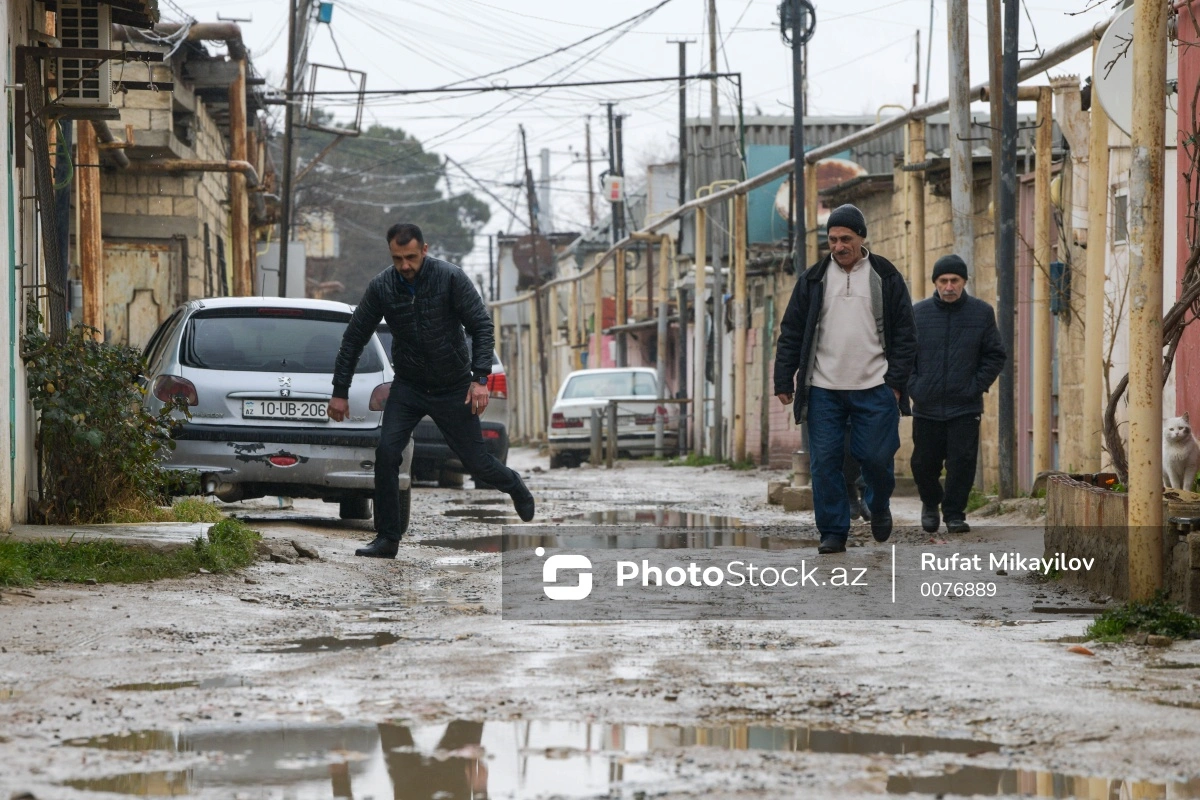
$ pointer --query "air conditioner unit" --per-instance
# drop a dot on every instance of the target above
(84, 82)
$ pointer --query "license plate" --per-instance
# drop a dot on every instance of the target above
(285, 409)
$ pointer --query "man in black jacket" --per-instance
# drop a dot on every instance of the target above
(846, 347)
(427, 304)
(959, 355)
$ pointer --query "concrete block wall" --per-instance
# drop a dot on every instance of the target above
(174, 204)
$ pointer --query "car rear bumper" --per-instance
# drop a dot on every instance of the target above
(633, 442)
(326, 459)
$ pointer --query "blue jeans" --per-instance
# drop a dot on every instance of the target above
(408, 405)
(874, 421)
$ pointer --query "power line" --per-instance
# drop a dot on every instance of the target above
(520, 87)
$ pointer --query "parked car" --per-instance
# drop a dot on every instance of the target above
(433, 460)
(636, 388)
(257, 373)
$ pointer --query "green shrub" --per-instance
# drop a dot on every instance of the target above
(1158, 617)
(99, 448)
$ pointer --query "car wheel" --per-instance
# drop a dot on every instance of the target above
(449, 479)
(556, 461)
(355, 508)
(405, 509)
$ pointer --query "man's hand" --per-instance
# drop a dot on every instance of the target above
(786, 399)
(477, 398)
(897, 393)
(339, 409)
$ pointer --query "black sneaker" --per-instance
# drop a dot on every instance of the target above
(881, 526)
(523, 502)
(957, 526)
(380, 548)
(931, 518)
(831, 544)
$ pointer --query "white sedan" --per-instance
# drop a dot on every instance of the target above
(636, 391)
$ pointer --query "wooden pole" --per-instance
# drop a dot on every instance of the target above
(916, 210)
(1094, 400)
(1042, 358)
(573, 341)
(739, 327)
(1146, 221)
(239, 200)
(622, 304)
(595, 359)
(91, 241)
(700, 348)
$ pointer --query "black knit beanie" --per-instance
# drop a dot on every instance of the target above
(950, 265)
(848, 216)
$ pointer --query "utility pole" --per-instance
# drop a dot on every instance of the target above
(619, 143)
(1146, 222)
(917, 79)
(545, 215)
(718, 291)
(683, 43)
(492, 276)
(1006, 243)
(535, 233)
(1097, 241)
(612, 170)
(962, 171)
(995, 38)
(285, 201)
(587, 138)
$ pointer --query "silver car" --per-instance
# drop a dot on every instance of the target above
(634, 389)
(257, 374)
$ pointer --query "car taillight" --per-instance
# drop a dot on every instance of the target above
(168, 387)
(497, 385)
(379, 396)
(284, 460)
(559, 420)
(489, 433)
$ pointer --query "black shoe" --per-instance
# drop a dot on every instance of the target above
(881, 526)
(381, 547)
(523, 502)
(831, 544)
(957, 526)
(931, 518)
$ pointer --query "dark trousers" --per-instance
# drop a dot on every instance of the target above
(874, 420)
(953, 443)
(852, 472)
(408, 405)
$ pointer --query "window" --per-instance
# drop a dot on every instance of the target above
(270, 340)
(1120, 228)
(611, 384)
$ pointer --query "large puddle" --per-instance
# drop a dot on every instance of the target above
(532, 759)
(659, 515)
(331, 644)
(698, 538)
(222, 682)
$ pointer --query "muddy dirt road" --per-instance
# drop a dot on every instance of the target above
(345, 677)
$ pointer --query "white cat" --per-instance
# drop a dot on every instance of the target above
(1181, 453)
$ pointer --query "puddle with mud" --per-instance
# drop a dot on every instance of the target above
(331, 644)
(531, 759)
(673, 540)
(658, 515)
(223, 682)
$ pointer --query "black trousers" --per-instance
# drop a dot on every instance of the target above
(408, 405)
(954, 444)
(852, 472)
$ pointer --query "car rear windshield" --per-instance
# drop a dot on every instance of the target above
(270, 339)
(385, 336)
(611, 384)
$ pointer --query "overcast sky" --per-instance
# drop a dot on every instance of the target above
(862, 57)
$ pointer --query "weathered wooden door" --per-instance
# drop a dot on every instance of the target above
(142, 285)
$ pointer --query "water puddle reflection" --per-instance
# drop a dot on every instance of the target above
(663, 540)
(533, 759)
(659, 515)
(330, 644)
(220, 682)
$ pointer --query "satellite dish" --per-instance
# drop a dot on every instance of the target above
(830, 172)
(1113, 76)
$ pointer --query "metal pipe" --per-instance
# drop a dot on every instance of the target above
(1146, 221)
(197, 165)
(573, 339)
(962, 170)
(622, 301)
(700, 372)
(666, 250)
(105, 135)
(611, 456)
(239, 201)
(1043, 370)
(916, 209)
(228, 32)
(1006, 236)
(91, 240)
(739, 328)
(1097, 249)
(813, 244)
(597, 435)
(289, 156)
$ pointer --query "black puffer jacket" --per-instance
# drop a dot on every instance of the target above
(429, 348)
(959, 355)
(798, 332)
